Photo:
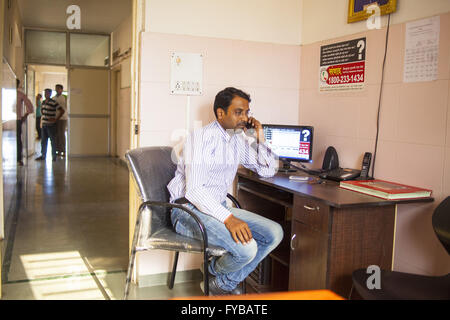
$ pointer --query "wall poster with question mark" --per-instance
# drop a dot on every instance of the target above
(305, 143)
(342, 65)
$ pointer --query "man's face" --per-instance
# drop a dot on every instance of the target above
(58, 90)
(237, 115)
(48, 94)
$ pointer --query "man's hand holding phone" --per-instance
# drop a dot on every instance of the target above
(255, 126)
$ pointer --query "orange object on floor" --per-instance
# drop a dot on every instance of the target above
(288, 295)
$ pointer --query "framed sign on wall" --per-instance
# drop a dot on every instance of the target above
(357, 8)
(186, 73)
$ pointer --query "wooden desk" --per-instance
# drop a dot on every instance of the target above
(329, 232)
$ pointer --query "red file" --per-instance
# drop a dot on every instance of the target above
(386, 189)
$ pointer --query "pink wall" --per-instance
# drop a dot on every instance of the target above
(414, 142)
(268, 72)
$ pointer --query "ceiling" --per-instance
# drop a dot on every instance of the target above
(102, 16)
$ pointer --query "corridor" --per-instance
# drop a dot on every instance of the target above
(66, 232)
(66, 229)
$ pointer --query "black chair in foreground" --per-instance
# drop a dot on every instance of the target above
(398, 285)
(152, 169)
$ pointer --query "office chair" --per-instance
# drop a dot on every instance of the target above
(152, 169)
(398, 285)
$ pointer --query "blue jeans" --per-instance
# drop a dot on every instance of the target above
(48, 131)
(240, 260)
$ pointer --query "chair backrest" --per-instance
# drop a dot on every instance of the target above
(152, 169)
(441, 223)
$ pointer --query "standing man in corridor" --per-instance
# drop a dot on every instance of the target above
(61, 124)
(51, 113)
(21, 115)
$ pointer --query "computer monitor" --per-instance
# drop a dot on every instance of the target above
(290, 143)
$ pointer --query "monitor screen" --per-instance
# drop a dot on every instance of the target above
(290, 142)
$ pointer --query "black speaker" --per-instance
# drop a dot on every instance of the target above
(331, 159)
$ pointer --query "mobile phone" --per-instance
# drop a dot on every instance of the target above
(249, 125)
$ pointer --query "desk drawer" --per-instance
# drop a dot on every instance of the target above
(311, 212)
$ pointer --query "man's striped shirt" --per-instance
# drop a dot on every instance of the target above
(208, 165)
(49, 111)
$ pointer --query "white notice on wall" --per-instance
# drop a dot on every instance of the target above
(421, 50)
(186, 73)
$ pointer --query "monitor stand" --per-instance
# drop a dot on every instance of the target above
(286, 168)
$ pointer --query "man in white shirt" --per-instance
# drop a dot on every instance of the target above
(21, 115)
(61, 124)
(204, 174)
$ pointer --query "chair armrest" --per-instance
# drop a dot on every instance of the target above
(234, 200)
(179, 206)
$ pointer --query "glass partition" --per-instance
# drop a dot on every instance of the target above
(89, 50)
(49, 47)
(45, 47)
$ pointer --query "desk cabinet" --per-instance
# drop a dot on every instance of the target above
(308, 259)
(328, 232)
(329, 243)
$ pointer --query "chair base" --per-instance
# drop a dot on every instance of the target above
(174, 270)
(205, 274)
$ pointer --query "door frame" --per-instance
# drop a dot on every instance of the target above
(138, 27)
(114, 113)
(2, 227)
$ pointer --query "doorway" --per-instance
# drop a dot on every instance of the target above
(39, 78)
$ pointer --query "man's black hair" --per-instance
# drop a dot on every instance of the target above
(224, 97)
(60, 85)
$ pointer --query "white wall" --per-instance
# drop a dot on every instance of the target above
(327, 19)
(272, 21)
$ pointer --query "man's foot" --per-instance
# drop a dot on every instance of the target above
(20, 163)
(214, 289)
(237, 291)
(39, 158)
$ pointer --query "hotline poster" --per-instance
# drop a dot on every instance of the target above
(342, 66)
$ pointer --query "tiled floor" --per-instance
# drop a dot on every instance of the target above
(66, 231)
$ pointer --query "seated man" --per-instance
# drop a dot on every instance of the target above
(205, 172)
